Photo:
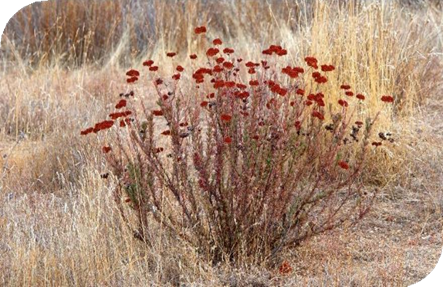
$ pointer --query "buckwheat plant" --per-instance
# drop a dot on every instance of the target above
(247, 160)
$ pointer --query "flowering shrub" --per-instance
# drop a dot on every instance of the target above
(252, 160)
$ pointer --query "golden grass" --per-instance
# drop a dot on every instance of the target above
(58, 225)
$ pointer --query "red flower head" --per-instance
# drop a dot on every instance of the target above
(176, 77)
(343, 164)
(217, 69)
(359, 123)
(251, 71)
(349, 93)
(253, 83)
(317, 114)
(193, 56)
(103, 126)
(312, 62)
(360, 97)
(171, 54)
(106, 149)
(321, 80)
(157, 113)
(131, 80)
(87, 131)
(228, 65)
(327, 68)
(200, 30)
(220, 60)
(227, 140)
(241, 86)
(204, 104)
(121, 104)
(226, 118)
(376, 144)
(180, 68)
(228, 51)
(153, 68)
(387, 99)
(300, 92)
(212, 52)
(166, 133)
(217, 42)
(345, 87)
(133, 73)
(148, 63)
(343, 103)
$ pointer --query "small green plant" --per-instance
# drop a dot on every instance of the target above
(253, 158)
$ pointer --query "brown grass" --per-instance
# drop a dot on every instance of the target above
(58, 225)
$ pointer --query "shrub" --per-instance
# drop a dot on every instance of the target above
(253, 158)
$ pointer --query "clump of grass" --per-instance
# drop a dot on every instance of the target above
(254, 159)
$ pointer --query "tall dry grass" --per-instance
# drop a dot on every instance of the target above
(62, 63)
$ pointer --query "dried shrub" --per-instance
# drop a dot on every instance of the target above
(250, 159)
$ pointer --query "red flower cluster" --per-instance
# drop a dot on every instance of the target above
(343, 164)
(133, 76)
(166, 133)
(217, 41)
(211, 52)
(360, 97)
(171, 54)
(300, 92)
(121, 104)
(319, 78)
(318, 98)
(387, 99)
(115, 116)
(343, 103)
(292, 72)
(276, 88)
(278, 50)
(200, 30)
(148, 63)
(200, 74)
(133, 73)
(106, 149)
(253, 83)
(87, 131)
(228, 51)
(103, 126)
(157, 113)
(327, 68)
(312, 62)
(317, 114)
(226, 118)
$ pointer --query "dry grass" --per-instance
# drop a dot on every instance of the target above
(58, 225)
